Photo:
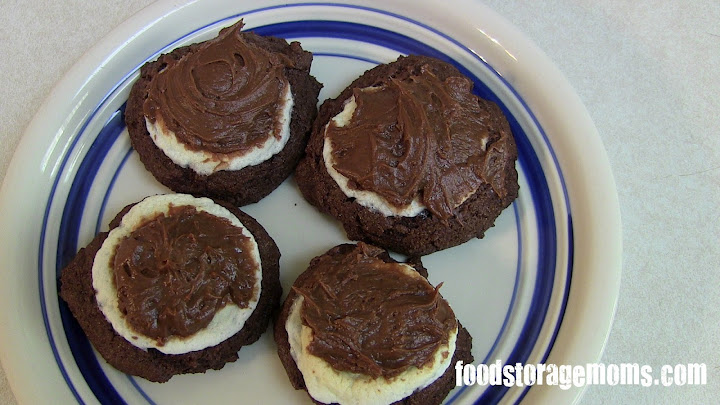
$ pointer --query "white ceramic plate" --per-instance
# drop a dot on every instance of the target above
(540, 287)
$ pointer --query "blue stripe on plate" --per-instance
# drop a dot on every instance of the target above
(101, 214)
(547, 251)
(404, 44)
(41, 254)
(566, 294)
(67, 247)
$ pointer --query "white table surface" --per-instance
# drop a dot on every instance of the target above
(648, 73)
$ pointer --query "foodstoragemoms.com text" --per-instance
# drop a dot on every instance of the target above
(567, 376)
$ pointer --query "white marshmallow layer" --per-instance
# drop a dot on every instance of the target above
(226, 322)
(327, 385)
(206, 163)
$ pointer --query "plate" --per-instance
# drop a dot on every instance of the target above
(541, 287)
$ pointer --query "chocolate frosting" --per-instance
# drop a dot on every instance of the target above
(176, 271)
(368, 316)
(419, 137)
(225, 96)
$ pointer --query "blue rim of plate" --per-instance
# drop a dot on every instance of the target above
(541, 197)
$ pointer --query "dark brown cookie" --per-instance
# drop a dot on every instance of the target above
(434, 393)
(77, 290)
(424, 233)
(252, 183)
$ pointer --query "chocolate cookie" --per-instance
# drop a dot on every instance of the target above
(384, 366)
(224, 98)
(78, 292)
(407, 158)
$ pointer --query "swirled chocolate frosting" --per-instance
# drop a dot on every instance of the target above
(370, 317)
(176, 271)
(418, 137)
(225, 96)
